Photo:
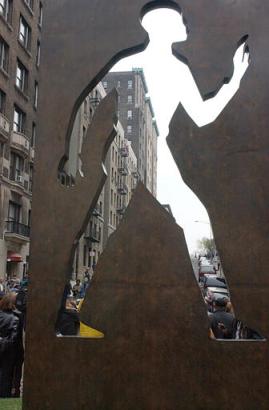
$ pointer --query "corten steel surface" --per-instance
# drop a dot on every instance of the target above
(224, 163)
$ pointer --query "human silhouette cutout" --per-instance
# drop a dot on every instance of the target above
(171, 76)
(164, 74)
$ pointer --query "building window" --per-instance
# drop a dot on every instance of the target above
(19, 120)
(2, 102)
(85, 105)
(16, 167)
(85, 248)
(2, 149)
(84, 129)
(25, 33)
(130, 99)
(118, 84)
(111, 197)
(6, 9)
(130, 114)
(105, 84)
(14, 212)
(33, 135)
(89, 257)
(40, 16)
(36, 95)
(31, 173)
(129, 129)
(30, 3)
(21, 77)
(4, 54)
(38, 50)
(130, 84)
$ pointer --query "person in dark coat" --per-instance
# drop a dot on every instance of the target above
(77, 289)
(68, 322)
(19, 353)
(222, 322)
(10, 342)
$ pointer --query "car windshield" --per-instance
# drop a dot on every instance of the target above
(215, 282)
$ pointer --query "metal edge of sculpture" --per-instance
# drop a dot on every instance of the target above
(178, 368)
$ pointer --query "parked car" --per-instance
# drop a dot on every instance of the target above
(213, 293)
(206, 269)
(211, 281)
(204, 261)
(214, 281)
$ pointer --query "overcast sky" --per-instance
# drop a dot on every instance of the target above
(169, 82)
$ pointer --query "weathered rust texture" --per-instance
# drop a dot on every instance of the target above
(60, 216)
(226, 163)
(155, 354)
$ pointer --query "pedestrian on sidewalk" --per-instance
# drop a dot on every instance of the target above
(10, 343)
(222, 322)
(68, 319)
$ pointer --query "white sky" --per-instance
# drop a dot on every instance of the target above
(169, 82)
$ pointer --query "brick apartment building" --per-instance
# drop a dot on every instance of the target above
(132, 156)
(138, 120)
(20, 44)
(121, 167)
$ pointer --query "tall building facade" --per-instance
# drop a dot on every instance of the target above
(121, 164)
(138, 120)
(132, 155)
(20, 44)
(121, 167)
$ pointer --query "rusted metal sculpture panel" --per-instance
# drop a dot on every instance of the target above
(226, 163)
(155, 354)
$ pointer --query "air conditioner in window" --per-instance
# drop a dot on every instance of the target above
(20, 179)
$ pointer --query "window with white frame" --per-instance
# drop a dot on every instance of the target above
(4, 54)
(19, 119)
(105, 84)
(6, 9)
(129, 114)
(40, 16)
(129, 129)
(25, 33)
(36, 94)
(30, 3)
(130, 84)
(38, 50)
(14, 212)
(16, 166)
(130, 99)
(85, 106)
(31, 173)
(2, 101)
(21, 77)
(33, 135)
